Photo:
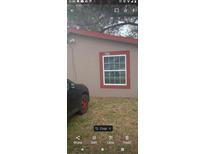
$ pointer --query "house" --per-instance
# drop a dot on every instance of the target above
(106, 64)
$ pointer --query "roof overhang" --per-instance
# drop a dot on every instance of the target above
(102, 36)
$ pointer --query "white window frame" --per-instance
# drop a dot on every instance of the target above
(114, 84)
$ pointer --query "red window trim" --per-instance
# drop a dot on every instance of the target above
(127, 53)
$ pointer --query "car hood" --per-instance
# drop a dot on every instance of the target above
(81, 86)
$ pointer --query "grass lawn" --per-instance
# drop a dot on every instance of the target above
(119, 112)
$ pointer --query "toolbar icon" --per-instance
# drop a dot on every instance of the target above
(127, 138)
(110, 137)
(82, 149)
(134, 10)
(116, 10)
(94, 137)
(122, 149)
(125, 10)
(78, 138)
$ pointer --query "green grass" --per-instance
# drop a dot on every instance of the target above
(119, 112)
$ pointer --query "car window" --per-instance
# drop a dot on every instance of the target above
(72, 85)
(68, 86)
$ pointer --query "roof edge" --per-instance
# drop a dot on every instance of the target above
(102, 36)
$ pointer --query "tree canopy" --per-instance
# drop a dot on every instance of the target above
(114, 19)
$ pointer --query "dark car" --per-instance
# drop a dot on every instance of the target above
(77, 98)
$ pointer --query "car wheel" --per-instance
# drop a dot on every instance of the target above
(84, 104)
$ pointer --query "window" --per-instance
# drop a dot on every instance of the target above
(114, 69)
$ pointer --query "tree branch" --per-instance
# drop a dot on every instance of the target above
(120, 24)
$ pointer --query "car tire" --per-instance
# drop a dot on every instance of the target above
(84, 103)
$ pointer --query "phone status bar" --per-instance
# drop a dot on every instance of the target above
(102, 2)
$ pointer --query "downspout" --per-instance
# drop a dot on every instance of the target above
(71, 43)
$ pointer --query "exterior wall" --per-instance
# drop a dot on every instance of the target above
(84, 65)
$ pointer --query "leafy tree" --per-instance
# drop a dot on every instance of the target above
(102, 18)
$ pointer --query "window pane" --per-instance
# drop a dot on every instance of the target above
(122, 58)
(117, 74)
(122, 66)
(122, 73)
(122, 77)
(112, 80)
(107, 77)
(117, 66)
(117, 59)
(112, 74)
(106, 60)
(111, 60)
(107, 74)
(122, 81)
(112, 66)
(118, 80)
(122, 62)
(107, 80)
(107, 67)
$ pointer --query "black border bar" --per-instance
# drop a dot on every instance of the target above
(134, 2)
